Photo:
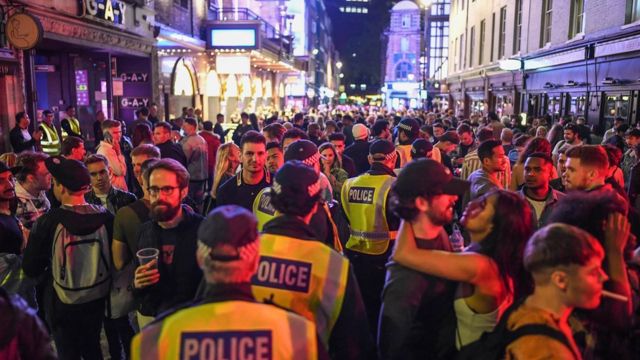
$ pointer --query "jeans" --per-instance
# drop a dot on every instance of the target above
(119, 335)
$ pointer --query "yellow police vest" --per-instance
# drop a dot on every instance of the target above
(74, 124)
(51, 146)
(304, 276)
(262, 208)
(230, 330)
(404, 151)
(364, 201)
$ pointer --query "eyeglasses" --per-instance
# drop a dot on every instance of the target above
(165, 190)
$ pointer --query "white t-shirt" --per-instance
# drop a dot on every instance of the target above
(25, 134)
(538, 206)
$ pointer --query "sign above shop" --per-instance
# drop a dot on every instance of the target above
(134, 102)
(111, 11)
(24, 31)
(45, 68)
(236, 35)
(134, 77)
(233, 64)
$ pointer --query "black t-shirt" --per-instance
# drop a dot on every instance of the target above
(230, 193)
(10, 235)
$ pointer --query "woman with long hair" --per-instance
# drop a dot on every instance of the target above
(535, 145)
(227, 161)
(490, 271)
(141, 135)
(332, 168)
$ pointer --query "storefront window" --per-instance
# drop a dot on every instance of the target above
(578, 104)
(554, 105)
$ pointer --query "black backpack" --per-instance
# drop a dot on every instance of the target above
(492, 345)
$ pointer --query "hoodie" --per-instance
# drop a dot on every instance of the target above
(30, 207)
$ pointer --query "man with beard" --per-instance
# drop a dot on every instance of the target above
(174, 277)
(416, 308)
(275, 157)
(33, 181)
(571, 137)
(243, 188)
(11, 239)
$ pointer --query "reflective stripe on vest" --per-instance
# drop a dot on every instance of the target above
(405, 154)
(304, 276)
(364, 200)
(262, 208)
(50, 146)
(223, 330)
(74, 124)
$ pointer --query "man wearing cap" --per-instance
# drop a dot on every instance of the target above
(359, 150)
(50, 141)
(316, 281)
(243, 188)
(174, 277)
(421, 148)
(74, 316)
(408, 131)
(447, 143)
(227, 314)
(373, 226)
(416, 308)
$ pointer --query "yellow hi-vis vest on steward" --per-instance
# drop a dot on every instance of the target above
(404, 152)
(229, 330)
(74, 124)
(50, 146)
(364, 201)
(304, 276)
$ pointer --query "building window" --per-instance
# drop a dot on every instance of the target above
(545, 28)
(441, 8)
(472, 40)
(493, 35)
(406, 21)
(462, 60)
(182, 3)
(517, 34)
(455, 58)
(438, 49)
(503, 32)
(576, 25)
(633, 11)
(403, 70)
(483, 25)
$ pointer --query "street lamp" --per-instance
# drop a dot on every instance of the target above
(339, 65)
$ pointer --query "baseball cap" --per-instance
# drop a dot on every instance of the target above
(304, 151)
(230, 225)
(298, 179)
(72, 174)
(420, 148)
(382, 149)
(428, 177)
(14, 170)
(450, 136)
(360, 131)
(410, 126)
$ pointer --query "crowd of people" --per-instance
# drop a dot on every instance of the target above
(350, 234)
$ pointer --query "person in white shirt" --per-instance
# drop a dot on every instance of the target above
(110, 148)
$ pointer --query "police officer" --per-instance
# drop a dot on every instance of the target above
(50, 141)
(373, 225)
(408, 131)
(322, 221)
(217, 325)
(298, 272)
(70, 125)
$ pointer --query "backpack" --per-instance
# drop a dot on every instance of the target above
(492, 345)
(80, 265)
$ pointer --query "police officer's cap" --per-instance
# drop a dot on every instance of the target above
(304, 151)
(297, 179)
(381, 149)
(230, 225)
(409, 126)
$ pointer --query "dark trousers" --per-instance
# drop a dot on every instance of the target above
(119, 335)
(370, 272)
(196, 192)
(78, 337)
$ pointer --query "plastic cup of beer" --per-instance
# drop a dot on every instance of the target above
(147, 255)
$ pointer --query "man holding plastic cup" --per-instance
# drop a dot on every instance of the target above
(168, 273)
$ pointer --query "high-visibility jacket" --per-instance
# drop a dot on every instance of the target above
(231, 330)
(50, 145)
(74, 124)
(304, 276)
(404, 151)
(262, 208)
(364, 200)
